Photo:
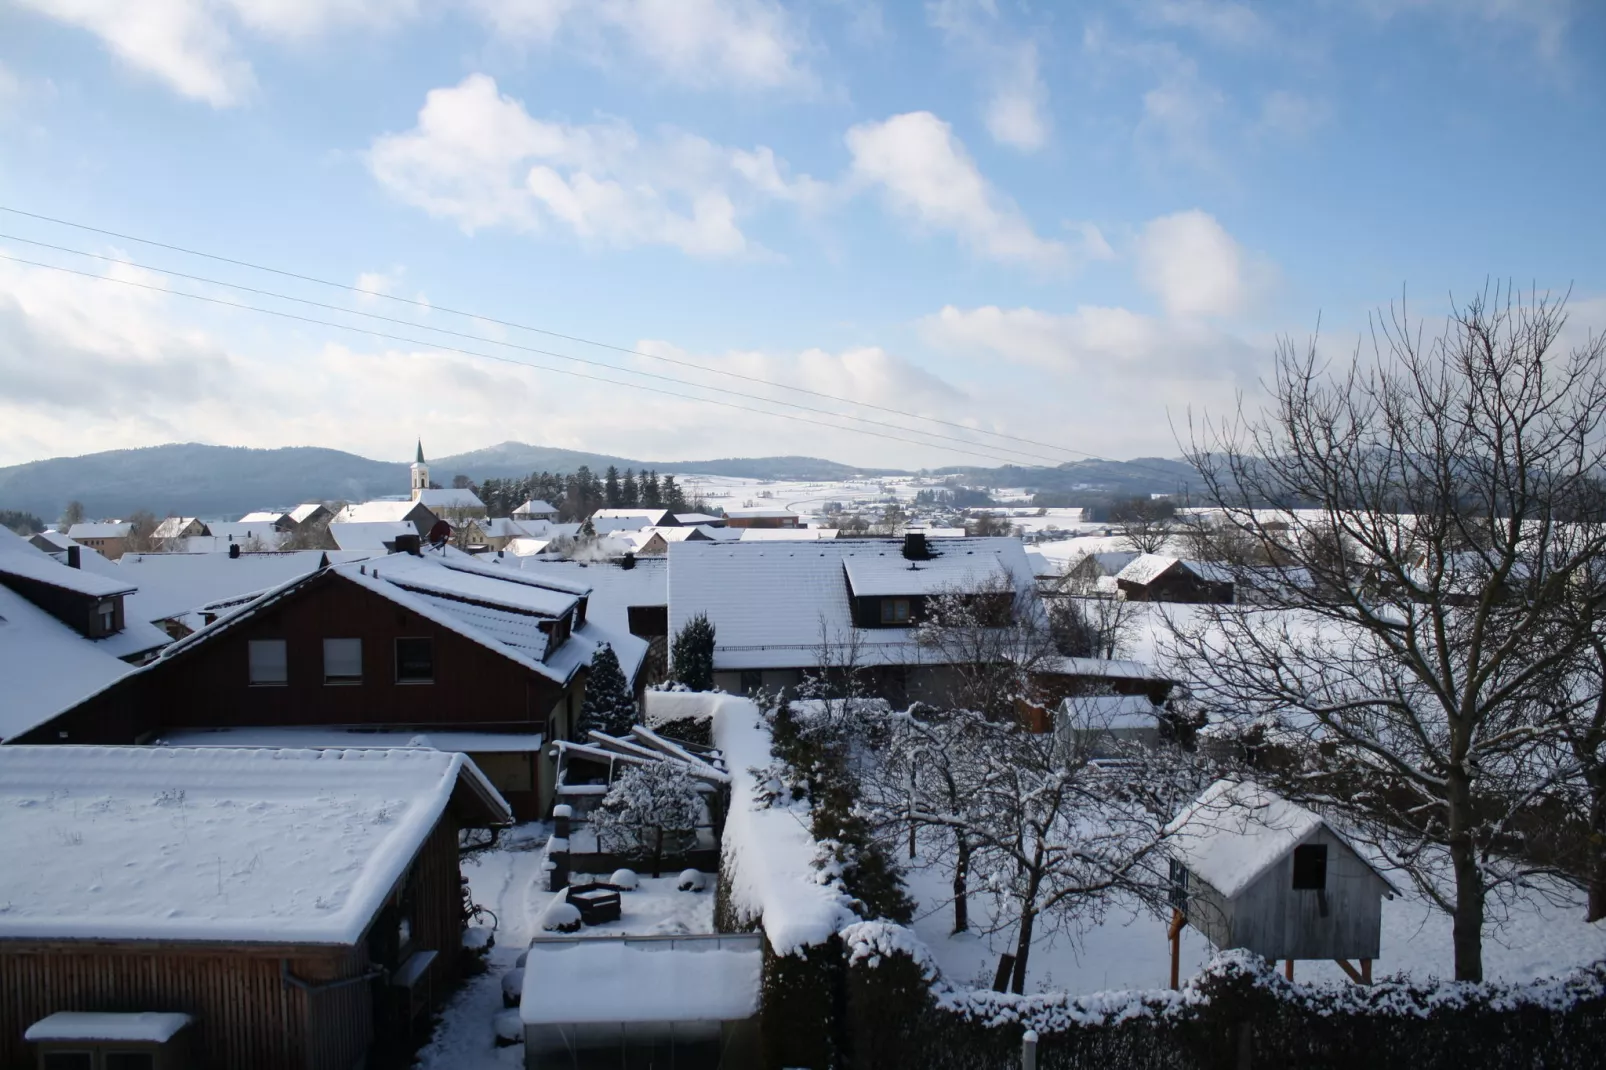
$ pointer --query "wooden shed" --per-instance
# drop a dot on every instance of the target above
(1252, 870)
(290, 908)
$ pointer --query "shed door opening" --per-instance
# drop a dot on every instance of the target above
(1310, 867)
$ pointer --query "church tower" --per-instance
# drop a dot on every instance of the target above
(420, 472)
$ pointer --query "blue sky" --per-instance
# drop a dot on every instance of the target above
(1071, 223)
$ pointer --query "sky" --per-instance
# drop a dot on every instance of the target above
(980, 231)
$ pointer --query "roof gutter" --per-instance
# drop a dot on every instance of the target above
(288, 979)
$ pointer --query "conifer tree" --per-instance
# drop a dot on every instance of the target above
(693, 654)
(610, 488)
(608, 705)
(651, 496)
(674, 497)
(629, 494)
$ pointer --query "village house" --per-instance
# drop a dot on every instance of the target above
(174, 589)
(761, 518)
(51, 542)
(420, 516)
(249, 909)
(604, 521)
(536, 509)
(1158, 578)
(91, 604)
(281, 521)
(374, 536)
(427, 643)
(108, 538)
(178, 527)
(310, 513)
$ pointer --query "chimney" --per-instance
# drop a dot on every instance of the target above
(914, 546)
(74, 557)
(629, 562)
(234, 551)
(408, 544)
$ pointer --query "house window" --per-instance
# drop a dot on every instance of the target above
(107, 612)
(129, 1060)
(752, 680)
(1310, 867)
(269, 665)
(342, 661)
(69, 1060)
(895, 611)
(415, 661)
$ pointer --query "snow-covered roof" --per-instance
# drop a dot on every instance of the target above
(383, 510)
(1146, 568)
(712, 978)
(172, 527)
(139, 1027)
(956, 567)
(264, 516)
(368, 534)
(523, 547)
(306, 509)
(323, 738)
(46, 665)
(214, 844)
(1237, 830)
(537, 507)
(450, 498)
(696, 518)
(785, 534)
(768, 600)
(18, 558)
(1115, 668)
(262, 531)
(760, 514)
(54, 538)
(99, 531)
(1115, 712)
(171, 585)
(505, 527)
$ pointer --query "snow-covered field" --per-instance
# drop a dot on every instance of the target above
(1129, 949)
(511, 883)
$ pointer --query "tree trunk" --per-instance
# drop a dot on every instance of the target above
(658, 852)
(1597, 846)
(1469, 891)
(961, 882)
(1023, 946)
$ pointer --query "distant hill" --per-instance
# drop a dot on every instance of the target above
(1140, 476)
(222, 481)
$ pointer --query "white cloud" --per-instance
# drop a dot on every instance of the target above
(1016, 108)
(1117, 374)
(1178, 116)
(1219, 21)
(925, 173)
(92, 365)
(752, 43)
(1546, 21)
(191, 44)
(1195, 267)
(1289, 114)
(479, 158)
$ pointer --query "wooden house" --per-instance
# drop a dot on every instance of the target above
(1158, 578)
(178, 527)
(762, 518)
(416, 513)
(1252, 870)
(92, 604)
(536, 509)
(271, 909)
(429, 643)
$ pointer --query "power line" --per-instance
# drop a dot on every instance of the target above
(515, 345)
(509, 360)
(543, 331)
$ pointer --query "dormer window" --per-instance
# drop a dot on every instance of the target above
(895, 611)
(106, 617)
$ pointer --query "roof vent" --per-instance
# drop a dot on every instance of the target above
(914, 546)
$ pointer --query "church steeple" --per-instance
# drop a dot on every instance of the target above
(420, 472)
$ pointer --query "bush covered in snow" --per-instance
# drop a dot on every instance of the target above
(561, 918)
(691, 881)
(650, 811)
(623, 879)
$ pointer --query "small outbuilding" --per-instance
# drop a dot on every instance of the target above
(1158, 578)
(212, 907)
(682, 1001)
(1252, 870)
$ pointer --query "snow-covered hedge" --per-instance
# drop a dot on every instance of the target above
(768, 857)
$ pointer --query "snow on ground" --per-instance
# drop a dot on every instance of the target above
(1129, 949)
(511, 882)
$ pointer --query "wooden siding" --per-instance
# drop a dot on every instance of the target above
(246, 1016)
(1274, 920)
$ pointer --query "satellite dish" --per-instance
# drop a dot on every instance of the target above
(440, 534)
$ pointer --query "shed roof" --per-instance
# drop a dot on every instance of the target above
(1237, 830)
(108, 530)
(141, 1027)
(219, 844)
(695, 979)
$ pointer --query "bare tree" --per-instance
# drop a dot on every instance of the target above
(1453, 503)
(987, 525)
(1147, 524)
(1050, 834)
(73, 514)
(991, 636)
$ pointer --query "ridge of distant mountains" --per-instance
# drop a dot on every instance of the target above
(192, 479)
